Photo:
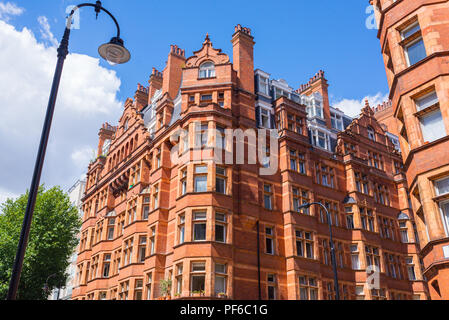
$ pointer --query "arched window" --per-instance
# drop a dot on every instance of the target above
(207, 70)
(371, 134)
(126, 125)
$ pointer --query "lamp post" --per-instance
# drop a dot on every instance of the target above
(334, 259)
(114, 52)
(46, 285)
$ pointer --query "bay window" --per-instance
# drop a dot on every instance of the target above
(199, 226)
(142, 248)
(178, 279)
(200, 178)
(183, 182)
(413, 44)
(220, 180)
(220, 278)
(220, 227)
(308, 288)
(198, 277)
(181, 229)
(355, 257)
(432, 126)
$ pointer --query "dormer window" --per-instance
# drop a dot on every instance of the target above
(263, 85)
(207, 70)
(265, 118)
(371, 134)
(337, 121)
(320, 139)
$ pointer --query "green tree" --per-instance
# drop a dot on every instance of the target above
(52, 240)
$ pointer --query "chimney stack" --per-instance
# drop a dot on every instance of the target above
(243, 57)
(141, 97)
(318, 83)
(155, 83)
(172, 75)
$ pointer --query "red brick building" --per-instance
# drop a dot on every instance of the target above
(225, 230)
(414, 37)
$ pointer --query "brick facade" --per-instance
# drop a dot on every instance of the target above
(414, 37)
(226, 230)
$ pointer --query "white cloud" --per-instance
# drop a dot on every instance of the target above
(353, 107)
(87, 98)
(83, 156)
(5, 195)
(46, 33)
(9, 9)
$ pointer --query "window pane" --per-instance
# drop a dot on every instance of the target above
(432, 126)
(442, 186)
(201, 184)
(200, 216)
(445, 212)
(201, 169)
(199, 232)
(220, 233)
(269, 245)
(410, 31)
(427, 101)
(198, 283)
(267, 201)
(220, 185)
(198, 266)
(416, 52)
(220, 284)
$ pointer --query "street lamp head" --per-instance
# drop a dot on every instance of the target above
(115, 51)
(305, 206)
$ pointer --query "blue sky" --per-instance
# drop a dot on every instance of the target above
(294, 39)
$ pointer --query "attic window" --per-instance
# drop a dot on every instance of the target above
(371, 134)
(207, 70)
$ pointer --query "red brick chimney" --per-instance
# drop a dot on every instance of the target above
(318, 83)
(106, 133)
(243, 57)
(141, 97)
(172, 74)
(155, 83)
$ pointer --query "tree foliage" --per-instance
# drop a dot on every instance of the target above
(52, 240)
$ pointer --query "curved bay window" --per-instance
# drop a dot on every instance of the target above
(207, 70)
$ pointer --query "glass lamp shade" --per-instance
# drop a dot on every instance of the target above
(114, 51)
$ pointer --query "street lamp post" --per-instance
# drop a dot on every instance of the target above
(46, 289)
(334, 259)
(114, 52)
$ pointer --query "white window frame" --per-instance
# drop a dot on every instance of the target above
(206, 72)
(408, 45)
(445, 215)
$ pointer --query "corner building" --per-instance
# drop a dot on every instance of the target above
(414, 39)
(223, 230)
